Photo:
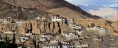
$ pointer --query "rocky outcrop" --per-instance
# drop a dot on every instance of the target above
(42, 27)
(35, 28)
(56, 27)
(52, 26)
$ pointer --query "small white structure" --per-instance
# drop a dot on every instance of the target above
(65, 46)
(45, 35)
(19, 23)
(94, 28)
(42, 39)
(0, 20)
(100, 30)
(81, 45)
(23, 39)
(85, 45)
(2, 40)
(28, 47)
(48, 36)
(51, 46)
(69, 35)
(20, 47)
(8, 20)
(28, 34)
(103, 31)
(53, 41)
(44, 18)
(74, 26)
(9, 32)
(80, 31)
(14, 7)
(57, 18)
(38, 18)
(95, 38)
(69, 20)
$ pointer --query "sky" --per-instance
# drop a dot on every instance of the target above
(111, 3)
(105, 8)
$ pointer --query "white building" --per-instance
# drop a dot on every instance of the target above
(14, 8)
(19, 23)
(103, 31)
(0, 20)
(57, 46)
(23, 39)
(51, 46)
(65, 46)
(45, 35)
(81, 45)
(42, 39)
(69, 20)
(38, 18)
(44, 18)
(8, 20)
(80, 31)
(69, 35)
(53, 41)
(74, 26)
(20, 47)
(57, 18)
(2, 40)
(28, 34)
(9, 32)
(100, 30)
(48, 36)
(94, 28)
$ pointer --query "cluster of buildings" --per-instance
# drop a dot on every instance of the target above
(58, 18)
(100, 30)
(7, 20)
(11, 20)
(67, 39)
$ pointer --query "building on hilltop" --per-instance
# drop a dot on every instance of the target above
(69, 20)
(57, 18)
(38, 18)
(8, 20)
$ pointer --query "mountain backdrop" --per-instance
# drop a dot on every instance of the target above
(42, 7)
(109, 13)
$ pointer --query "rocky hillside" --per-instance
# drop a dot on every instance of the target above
(7, 11)
(67, 13)
(47, 5)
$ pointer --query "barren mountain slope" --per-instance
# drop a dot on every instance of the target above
(114, 18)
(66, 12)
(47, 4)
(7, 11)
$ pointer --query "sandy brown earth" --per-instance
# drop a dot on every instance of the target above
(114, 18)
(66, 12)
